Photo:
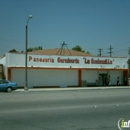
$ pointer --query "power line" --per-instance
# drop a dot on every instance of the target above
(121, 44)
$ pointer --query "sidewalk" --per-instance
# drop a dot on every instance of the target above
(72, 89)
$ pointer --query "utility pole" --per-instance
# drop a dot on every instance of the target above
(129, 51)
(100, 52)
(129, 59)
(110, 51)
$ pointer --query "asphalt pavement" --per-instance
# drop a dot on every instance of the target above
(84, 109)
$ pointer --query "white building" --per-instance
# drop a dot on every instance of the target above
(64, 71)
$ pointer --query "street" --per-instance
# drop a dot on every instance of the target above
(64, 110)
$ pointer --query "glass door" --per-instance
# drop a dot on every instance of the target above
(102, 79)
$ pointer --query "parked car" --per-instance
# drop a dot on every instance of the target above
(7, 86)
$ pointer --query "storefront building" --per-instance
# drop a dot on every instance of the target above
(65, 71)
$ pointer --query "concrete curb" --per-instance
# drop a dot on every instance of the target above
(71, 89)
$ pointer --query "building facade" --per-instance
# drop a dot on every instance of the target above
(65, 71)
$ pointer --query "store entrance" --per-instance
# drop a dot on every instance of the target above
(102, 79)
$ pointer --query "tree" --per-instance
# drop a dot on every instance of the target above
(78, 48)
(88, 52)
(29, 49)
(13, 50)
(33, 49)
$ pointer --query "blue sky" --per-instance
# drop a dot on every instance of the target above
(92, 24)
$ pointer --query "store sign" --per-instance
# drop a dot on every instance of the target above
(67, 60)
(51, 60)
(93, 61)
(70, 60)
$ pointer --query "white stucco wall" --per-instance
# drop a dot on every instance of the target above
(62, 78)
(3, 61)
(93, 75)
(18, 60)
(90, 75)
(114, 75)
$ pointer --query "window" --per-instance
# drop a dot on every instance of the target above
(3, 81)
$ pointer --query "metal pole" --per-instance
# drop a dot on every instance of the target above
(26, 60)
(26, 46)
